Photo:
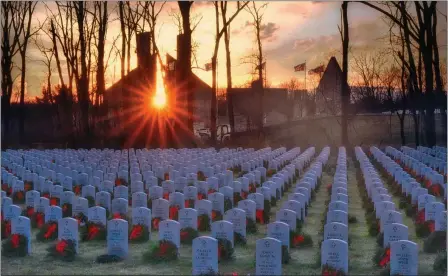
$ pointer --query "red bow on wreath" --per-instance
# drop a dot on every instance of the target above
(5, 187)
(50, 230)
(431, 226)
(155, 223)
(46, 195)
(15, 240)
(163, 248)
(64, 208)
(166, 196)
(136, 231)
(183, 235)
(77, 190)
(166, 176)
(187, 203)
(29, 211)
(420, 218)
(60, 246)
(435, 189)
(28, 187)
(298, 239)
(174, 211)
(10, 191)
(118, 182)
(252, 188)
(53, 201)
(116, 216)
(92, 232)
(201, 196)
(244, 194)
(211, 191)
(259, 216)
(7, 228)
(40, 219)
(327, 272)
(386, 258)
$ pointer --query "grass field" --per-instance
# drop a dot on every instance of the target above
(303, 261)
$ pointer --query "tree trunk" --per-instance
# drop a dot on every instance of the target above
(185, 64)
(402, 135)
(345, 97)
(440, 95)
(83, 81)
(229, 80)
(213, 116)
(260, 78)
(123, 37)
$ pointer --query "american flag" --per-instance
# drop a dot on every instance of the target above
(300, 67)
(317, 70)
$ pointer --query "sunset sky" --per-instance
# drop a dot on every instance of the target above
(293, 32)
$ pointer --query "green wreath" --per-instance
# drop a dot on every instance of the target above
(15, 246)
(239, 239)
(225, 250)
(164, 251)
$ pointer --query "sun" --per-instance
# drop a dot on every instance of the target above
(159, 100)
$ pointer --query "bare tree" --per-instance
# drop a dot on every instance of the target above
(102, 18)
(12, 27)
(345, 93)
(123, 37)
(220, 31)
(257, 14)
(24, 12)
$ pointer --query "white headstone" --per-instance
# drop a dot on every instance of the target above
(205, 255)
(404, 258)
(68, 230)
(268, 257)
(335, 254)
(117, 238)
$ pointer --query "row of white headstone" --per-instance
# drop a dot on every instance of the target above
(334, 248)
(117, 243)
(268, 250)
(434, 210)
(436, 151)
(433, 162)
(418, 167)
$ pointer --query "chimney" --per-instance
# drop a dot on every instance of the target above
(144, 51)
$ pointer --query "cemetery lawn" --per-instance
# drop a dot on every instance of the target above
(303, 261)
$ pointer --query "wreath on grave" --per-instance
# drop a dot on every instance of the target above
(382, 257)
(64, 250)
(139, 233)
(273, 201)
(201, 196)
(66, 210)
(93, 231)
(107, 259)
(423, 228)
(48, 231)
(285, 255)
(81, 218)
(236, 198)
(155, 223)
(252, 188)
(121, 182)
(201, 176)
(46, 195)
(227, 204)
(411, 210)
(373, 224)
(189, 203)
(90, 200)
(239, 239)
(435, 190)
(118, 215)
(244, 194)
(328, 270)
(440, 263)
(380, 239)
(436, 241)
(37, 220)
(166, 196)
(28, 186)
(149, 203)
(54, 201)
(5, 188)
(211, 191)
(216, 215)
(77, 189)
(299, 225)
(251, 226)
(297, 240)
(18, 197)
(203, 222)
(15, 246)
(271, 172)
(6, 228)
(164, 251)
(188, 234)
(225, 250)
(174, 212)
(405, 200)
(28, 212)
